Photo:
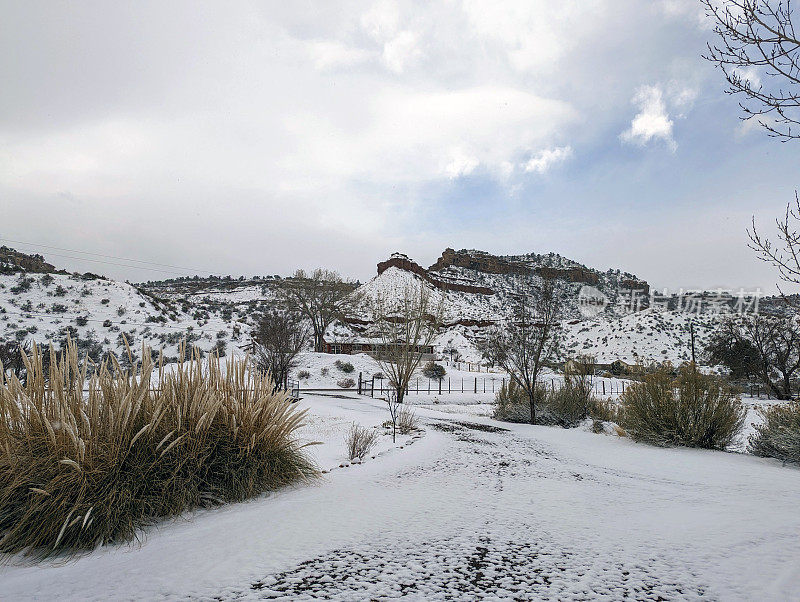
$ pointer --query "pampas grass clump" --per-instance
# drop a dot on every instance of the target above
(80, 469)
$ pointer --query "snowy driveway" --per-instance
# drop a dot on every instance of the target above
(471, 511)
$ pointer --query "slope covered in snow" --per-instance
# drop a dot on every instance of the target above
(97, 312)
(472, 509)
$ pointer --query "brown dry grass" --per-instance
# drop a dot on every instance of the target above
(82, 469)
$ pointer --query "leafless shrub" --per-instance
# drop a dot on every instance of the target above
(278, 339)
(406, 420)
(511, 403)
(346, 383)
(694, 410)
(345, 367)
(779, 435)
(360, 441)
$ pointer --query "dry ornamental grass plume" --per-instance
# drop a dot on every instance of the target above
(80, 469)
(359, 441)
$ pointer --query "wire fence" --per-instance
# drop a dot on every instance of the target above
(429, 386)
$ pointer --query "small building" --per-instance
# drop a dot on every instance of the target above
(371, 347)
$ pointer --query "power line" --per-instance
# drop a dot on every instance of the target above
(136, 267)
(163, 265)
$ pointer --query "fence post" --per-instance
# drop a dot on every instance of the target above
(476, 385)
(372, 391)
(604, 388)
(440, 386)
(359, 383)
(462, 384)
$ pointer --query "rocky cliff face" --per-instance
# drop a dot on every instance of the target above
(401, 261)
(550, 267)
(12, 261)
(478, 260)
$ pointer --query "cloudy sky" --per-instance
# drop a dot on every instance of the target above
(255, 138)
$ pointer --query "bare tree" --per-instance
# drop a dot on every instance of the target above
(530, 339)
(322, 297)
(774, 342)
(488, 350)
(785, 254)
(278, 338)
(758, 51)
(394, 410)
(404, 326)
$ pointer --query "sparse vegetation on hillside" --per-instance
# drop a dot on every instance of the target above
(434, 371)
(345, 367)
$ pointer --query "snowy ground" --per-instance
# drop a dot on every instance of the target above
(474, 508)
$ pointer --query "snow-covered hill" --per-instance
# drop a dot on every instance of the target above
(475, 289)
(97, 312)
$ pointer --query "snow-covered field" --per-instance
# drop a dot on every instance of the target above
(471, 509)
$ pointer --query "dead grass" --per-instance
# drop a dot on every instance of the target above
(360, 441)
(81, 469)
(406, 420)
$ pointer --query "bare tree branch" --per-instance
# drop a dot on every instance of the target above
(758, 51)
(322, 297)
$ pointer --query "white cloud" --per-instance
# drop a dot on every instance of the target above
(652, 121)
(315, 117)
(534, 34)
(545, 159)
(749, 74)
(401, 51)
(381, 21)
(330, 54)
(460, 164)
(406, 135)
